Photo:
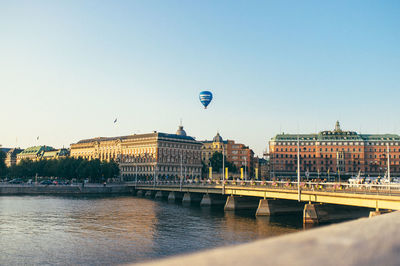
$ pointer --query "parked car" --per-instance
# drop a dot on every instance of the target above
(16, 181)
(46, 182)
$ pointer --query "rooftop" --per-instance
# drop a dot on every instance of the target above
(336, 135)
(36, 150)
(158, 135)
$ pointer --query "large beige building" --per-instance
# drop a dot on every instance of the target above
(146, 156)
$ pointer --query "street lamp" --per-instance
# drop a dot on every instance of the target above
(223, 167)
(298, 168)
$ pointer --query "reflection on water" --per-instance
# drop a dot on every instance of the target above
(114, 230)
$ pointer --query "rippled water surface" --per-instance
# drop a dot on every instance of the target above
(114, 230)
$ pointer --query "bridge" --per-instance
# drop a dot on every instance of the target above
(319, 202)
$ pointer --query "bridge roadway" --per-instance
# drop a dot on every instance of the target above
(375, 196)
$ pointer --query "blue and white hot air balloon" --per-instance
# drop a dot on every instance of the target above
(205, 98)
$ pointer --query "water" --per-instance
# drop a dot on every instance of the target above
(113, 230)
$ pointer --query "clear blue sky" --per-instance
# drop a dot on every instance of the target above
(68, 68)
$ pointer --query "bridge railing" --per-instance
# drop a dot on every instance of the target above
(335, 187)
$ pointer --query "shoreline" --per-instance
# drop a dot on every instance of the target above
(64, 190)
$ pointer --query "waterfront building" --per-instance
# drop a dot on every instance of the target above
(5, 150)
(33, 153)
(238, 154)
(261, 167)
(154, 155)
(11, 156)
(56, 154)
(335, 153)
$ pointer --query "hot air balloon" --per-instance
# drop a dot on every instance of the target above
(205, 98)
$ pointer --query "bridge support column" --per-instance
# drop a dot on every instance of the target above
(267, 207)
(212, 200)
(175, 197)
(320, 213)
(191, 198)
(140, 193)
(310, 214)
(240, 203)
(378, 212)
(160, 195)
(374, 213)
(149, 194)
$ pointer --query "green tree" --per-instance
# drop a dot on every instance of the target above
(216, 163)
(3, 167)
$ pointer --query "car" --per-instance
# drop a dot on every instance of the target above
(46, 182)
(16, 181)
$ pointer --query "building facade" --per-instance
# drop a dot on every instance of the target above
(11, 157)
(33, 153)
(146, 156)
(56, 154)
(238, 154)
(335, 152)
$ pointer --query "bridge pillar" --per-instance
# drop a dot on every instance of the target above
(160, 195)
(191, 198)
(374, 213)
(320, 213)
(175, 197)
(267, 207)
(240, 203)
(310, 214)
(212, 200)
(140, 193)
(149, 194)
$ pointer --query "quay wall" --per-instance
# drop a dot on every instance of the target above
(64, 190)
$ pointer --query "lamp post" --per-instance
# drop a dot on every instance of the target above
(245, 164)
(223, 168)
(388, 164)
(136, 172)
(181, 174)
(298, 168)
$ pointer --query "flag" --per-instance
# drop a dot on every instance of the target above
(256, 173)
(115, 121)
(241, 173)
(226, 172)
(210, 172)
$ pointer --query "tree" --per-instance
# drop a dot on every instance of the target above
(3, 167)
(216, 163)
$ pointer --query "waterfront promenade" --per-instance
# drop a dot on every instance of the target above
(75, 189)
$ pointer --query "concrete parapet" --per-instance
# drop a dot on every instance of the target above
(175, 197)
(240, 203)
(192, 198)
(268, 207)
(212, 200)
(365, 242)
